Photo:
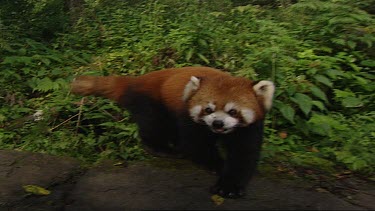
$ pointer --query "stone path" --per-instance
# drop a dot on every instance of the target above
(143, 185)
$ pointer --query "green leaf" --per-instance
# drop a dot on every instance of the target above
(17, 60)
(306, 54)
(78, 59)
(22, 51)
(202, 42)
(352, 102)
(287, 111)
(2, 118)
(36, 190)
(189, 54)
(242, 8)
(368, 63)
(55, 58)
(319, 93)
(203, 58)
(218, 200)
(46, 61)
(338, 41)
(45, 84)
(320, 124)
(333, 73)
(343, 94)
(352, 44)
(56, 71)
(304, 102)
(319, 104)
(361, 80)
(359, 164)
(291, 90)
(324, 80)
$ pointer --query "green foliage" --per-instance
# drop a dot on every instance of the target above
(320, 54)
(40, 20)
(347, 140)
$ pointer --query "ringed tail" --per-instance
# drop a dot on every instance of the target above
(111, 87)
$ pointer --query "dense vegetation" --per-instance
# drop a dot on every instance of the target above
(319, 53)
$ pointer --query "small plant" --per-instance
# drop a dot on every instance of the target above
(318, 53)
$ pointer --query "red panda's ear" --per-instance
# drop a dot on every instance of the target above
(191, 87)
(265, 89)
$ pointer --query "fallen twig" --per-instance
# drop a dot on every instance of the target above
(65, 121)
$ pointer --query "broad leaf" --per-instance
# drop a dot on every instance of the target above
(368, 63)
(319, 104)
(304, 102)
(343, 94)
(324, 80)
(45, 84)
(352, 102)
(288, 112)
(319, 93)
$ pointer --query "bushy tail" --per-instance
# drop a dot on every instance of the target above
(111, 87)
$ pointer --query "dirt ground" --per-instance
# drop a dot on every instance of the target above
(160, 184)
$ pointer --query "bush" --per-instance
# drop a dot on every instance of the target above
(319, 53)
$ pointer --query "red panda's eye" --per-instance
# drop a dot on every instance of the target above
(208, 110)
(232, 112)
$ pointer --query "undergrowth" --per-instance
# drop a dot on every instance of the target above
(320, 55)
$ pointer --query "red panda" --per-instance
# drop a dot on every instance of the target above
(192, 108)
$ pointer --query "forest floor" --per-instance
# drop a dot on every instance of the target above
(160, 184)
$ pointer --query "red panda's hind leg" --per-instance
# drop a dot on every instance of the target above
(157, 128)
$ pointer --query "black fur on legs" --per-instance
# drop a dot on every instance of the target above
(199, 144)
(160, 130)
(242, 153)
(157, 128)
(243, 149)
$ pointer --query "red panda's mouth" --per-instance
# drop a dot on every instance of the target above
(221, 130)
(216, 130)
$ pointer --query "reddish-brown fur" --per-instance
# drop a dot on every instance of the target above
(222, 89)
(111, 87)
(167, 86)
(160, 104)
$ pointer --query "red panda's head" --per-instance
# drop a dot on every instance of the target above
(225, 103)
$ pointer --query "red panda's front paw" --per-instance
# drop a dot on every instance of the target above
(232, 192)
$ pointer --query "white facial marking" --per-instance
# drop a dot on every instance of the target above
(229, 106)
(208, 119)
(248, 115)
(266, 90)
(195, 111)
(190, 87)
(229, 123)
(212, 106)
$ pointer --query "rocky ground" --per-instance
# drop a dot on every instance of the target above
(166, 184)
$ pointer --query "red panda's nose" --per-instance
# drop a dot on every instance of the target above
(217, 124)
